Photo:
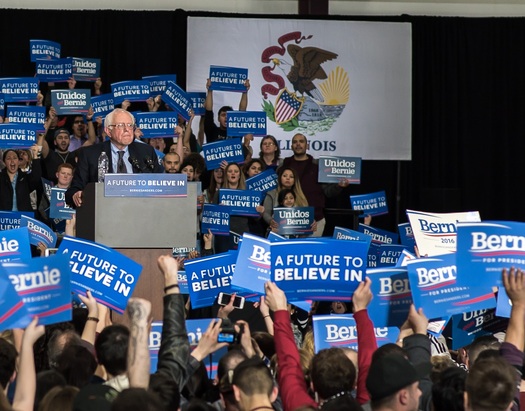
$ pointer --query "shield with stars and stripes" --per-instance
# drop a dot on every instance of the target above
(287, 106)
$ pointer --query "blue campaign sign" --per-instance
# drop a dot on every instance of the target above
(252, 269)
(197, 101)
(404, 258)
(371, 204)
(318, 268)
(379, 236)
(154, 339)
(265, 181)
(347, 234)
(241, 202)
(13, 312)
(14, 244)
(44, 286)
(58, 207)
(39, 232)
(485, 249)
(215, 218)
(228, 78)
(294, 220)
(32, 115)
(341, 331)
(47, 185)
(235, 240)
(146, 185)
(437, 326)
(19, 89)
(44, 49)
(102, 105)
(54, 70)
(158, 84)
(504, 305)
(274, 237)
(439, 290)
(240, 123)
(468, 326)
(392, 296)
(86, 69)
(157, 123)
(333, 169)
(406, 235)
(178, 100)
(70, 102)
(17, 135)
(11, 219)
(135, 90)
(208, 276)
(110, 276)
(2, 105)
(182, 278)
(388, 255)
(373, 252)
(229, 150)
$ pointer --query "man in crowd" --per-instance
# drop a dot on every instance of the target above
(171, 162)
(124, 155)
(61, 154)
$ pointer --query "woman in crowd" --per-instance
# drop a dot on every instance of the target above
(270, 152)
(217, 178)
(253, 167)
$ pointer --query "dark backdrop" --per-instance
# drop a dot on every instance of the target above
(468, 97)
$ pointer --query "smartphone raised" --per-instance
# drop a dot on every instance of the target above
(224, 299)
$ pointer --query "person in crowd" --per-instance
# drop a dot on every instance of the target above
(124, 155)
(253, 386)
(25, 158)
(307, 168)
(171, 163)
(60, 155)
(270, 152)
(253, 167)
(84, 133)
(215, 184)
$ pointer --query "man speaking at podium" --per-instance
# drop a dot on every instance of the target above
(124, 155)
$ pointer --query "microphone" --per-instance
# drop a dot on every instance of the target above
(135, 163)
(149, 163)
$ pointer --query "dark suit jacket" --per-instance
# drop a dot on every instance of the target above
(87, 164)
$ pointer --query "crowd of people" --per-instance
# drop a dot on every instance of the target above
(90, 363)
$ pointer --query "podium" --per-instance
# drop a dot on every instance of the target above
(142, 228)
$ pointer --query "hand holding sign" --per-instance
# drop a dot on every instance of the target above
(514, 282)
(362, 295)
(275, 297)
(417, 320)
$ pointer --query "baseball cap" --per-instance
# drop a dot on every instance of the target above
(61, 130)
(390, 373)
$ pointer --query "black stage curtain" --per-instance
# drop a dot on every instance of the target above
(468, 123)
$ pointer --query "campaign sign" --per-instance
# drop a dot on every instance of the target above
(11, 219)
(182, 278)
(485, 249)
(54, 70)
(404, 258)
(389, 254)
(33, 115)
(373, 252)
(44, 286)
(15, 245)
(102, 105)
(17, 89)
(58, 207)
(2, 105)
(379, 236)
(240, 123)
(43, 49)
(265, 181)
(333, 169)
(134, 90)
(294, 220)
(146, 185)
(318, 269)
(437, 288)
(158, 84)
(504, 305)
(85, 69)
(178, 100)
(13, 312)
(274, 237)
(229, 150)
(252, 269)
(157, 123)
(241, 202)
(17, 136)
(197, 100)
(39, 232)
(392, 296)
(347, 234)
(154, 339)
(468, 326)
(435, 233)
(406, 235)
(208, 276)
(341, 331)
(235, 240)
(110, 276)
(371, 204)
(70, 102)
(436, 327)
(228, 78)
(215, 218)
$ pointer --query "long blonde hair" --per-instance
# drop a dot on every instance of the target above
(300, 198)
(242, 181)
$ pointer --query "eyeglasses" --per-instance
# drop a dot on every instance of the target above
(122, 126)
(78, 122)
(269, 143)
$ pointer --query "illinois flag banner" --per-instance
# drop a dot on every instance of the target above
(350, 98)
